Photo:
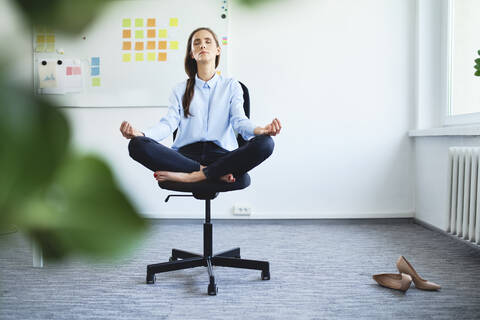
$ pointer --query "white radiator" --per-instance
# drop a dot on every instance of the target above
(464, 193)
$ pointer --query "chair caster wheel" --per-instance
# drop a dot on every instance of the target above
(151, 279)
(265, 275)
(171, 259)
(212, 289)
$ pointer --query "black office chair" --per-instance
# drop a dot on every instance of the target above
(209, 190)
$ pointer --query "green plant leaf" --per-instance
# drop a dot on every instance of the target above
(71, 16)
(477, 73)
(477, 66)
(82, 212)
(34, 141)
(477, 61)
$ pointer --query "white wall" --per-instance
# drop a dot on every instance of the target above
(341, 77)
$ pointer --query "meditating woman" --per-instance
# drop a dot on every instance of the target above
(207, 110)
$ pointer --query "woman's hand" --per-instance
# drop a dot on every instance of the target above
(272, 129)
(128, 131)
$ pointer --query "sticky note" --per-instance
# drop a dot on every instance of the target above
(139, 46)
(95, 82)
(126, 23)
(173, 45)
(95, 71)
(127, 33)
(150, 22)
(151, 45)
(50, 38)
(69, 71)
(151, 33)
(40, 39)
(138, 23)
(40, 48)
(162, 33)
(151, 56)
(139, 34)
(77, 70)
(162, 45)
(173, 22)
(126, 57)
(162, 56)
(127, 45)
(95, 61)
(50, 47)
(139, 56)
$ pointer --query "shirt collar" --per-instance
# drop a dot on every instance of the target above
(206, 84)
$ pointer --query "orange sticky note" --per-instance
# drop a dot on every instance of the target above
(162, 56)
(127, 45)
(162, 45)
(138, 45)
(151, 33)
(150, 22)
(151, 45)
(127, 33)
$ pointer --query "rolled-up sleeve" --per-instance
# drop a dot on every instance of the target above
(239, 121)
(168, 123)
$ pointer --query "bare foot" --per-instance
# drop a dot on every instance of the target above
(179, 176)
(228, 178)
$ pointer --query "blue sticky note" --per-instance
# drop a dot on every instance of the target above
(95, 61)
(95, 71)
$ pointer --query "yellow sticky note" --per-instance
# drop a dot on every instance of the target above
(127, 33)
(173, 45)
(127, 45)
(173, 22)
(139, 46)
(40, 48)
(138, 23)
(162, 56)
(50, 47)
(50, 38)
(126, 57)
(150, 22)
(151, 56)
(139, 34)
(126, 23)
(162, 45)
(162, 33)
(139, 56)
(150, 45)
(40, 39)
(95, 82)
(151, 33)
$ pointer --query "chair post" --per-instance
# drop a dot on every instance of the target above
(207, 232)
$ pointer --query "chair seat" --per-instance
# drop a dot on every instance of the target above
(206, 189)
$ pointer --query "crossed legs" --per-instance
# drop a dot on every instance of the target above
(169, 164)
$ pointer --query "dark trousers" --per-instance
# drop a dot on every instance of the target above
(219, 161)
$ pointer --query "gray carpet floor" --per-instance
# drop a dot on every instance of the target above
(320, 269)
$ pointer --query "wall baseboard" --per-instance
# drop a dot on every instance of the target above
(433, 228)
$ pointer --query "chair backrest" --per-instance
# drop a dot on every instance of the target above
(246, 108)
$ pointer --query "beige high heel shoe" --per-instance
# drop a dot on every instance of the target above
(404, 266)
(397, 281)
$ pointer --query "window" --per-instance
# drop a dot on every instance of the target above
(464, 44)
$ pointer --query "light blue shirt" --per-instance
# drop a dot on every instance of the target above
(216, 114)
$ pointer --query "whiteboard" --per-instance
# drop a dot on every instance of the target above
(131, 56)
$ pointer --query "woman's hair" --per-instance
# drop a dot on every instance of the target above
(191, 70)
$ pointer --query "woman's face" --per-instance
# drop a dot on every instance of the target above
(204, 47)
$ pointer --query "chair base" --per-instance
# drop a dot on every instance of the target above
(230, 258)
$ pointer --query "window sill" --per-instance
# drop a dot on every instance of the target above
(446, 131)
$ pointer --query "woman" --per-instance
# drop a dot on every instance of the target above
(206, 109)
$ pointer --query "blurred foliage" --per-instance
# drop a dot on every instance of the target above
(67, 203)
(477, 65)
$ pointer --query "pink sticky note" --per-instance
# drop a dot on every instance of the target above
(77, 70)
(69, 71)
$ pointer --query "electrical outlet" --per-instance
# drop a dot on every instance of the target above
(242, 210)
